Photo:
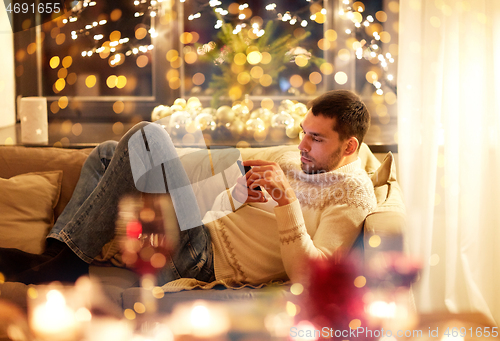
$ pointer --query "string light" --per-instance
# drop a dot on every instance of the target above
(117, 45)
(369, 48)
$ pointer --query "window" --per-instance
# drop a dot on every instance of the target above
(116, 61)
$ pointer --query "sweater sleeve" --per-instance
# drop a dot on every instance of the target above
(337, 230)
(226, 202)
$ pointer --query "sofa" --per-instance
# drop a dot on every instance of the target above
(52, 174)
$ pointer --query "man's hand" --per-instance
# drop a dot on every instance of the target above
(244, 194)
(270, 176)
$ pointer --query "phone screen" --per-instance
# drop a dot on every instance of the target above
(244, 170)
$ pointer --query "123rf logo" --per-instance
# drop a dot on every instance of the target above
(25, 14)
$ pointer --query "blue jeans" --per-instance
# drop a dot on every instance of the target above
(88, 221)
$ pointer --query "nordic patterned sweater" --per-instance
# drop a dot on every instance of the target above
(260, 242)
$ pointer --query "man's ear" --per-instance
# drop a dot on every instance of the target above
(351, 146)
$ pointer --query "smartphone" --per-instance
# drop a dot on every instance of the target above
(244, 170)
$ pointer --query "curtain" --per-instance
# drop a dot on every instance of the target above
(449, 150)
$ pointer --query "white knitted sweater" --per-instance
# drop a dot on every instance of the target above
(260, 242)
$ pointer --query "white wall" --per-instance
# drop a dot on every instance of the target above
(7, 78)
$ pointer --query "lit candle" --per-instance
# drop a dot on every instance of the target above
(33, 116)
(53, 320)
(200, 321)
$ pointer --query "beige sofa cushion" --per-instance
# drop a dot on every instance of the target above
(15, 160)
(27, 204)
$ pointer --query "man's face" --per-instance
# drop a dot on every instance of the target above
(320, 148)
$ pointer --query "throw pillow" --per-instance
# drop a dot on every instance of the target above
(385, 173)
(27, 208)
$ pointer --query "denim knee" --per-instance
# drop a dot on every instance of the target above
(107, 149)
(149, 148)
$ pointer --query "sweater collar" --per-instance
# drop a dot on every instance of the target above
(350, 167)
(345, 170)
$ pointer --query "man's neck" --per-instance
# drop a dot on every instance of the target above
(347, 160)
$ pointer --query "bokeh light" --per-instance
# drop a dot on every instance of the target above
(301, 61)
(31, 48)
(19, 70)
(256, 72)
(267, 103)
(111, 81)
(60, 84)
(266, 58)
(121, 82)
(67, 61)
(142, 61)
(54, 62)
(77, 129)
(434, 259)
(173, 73)
(344, 55)
(198, 78)
(385, 37)
(63, 102)
(141, 33)
(309, 88)
(118, 128)
(315, 77)
(326, 68)
(341, 77)
(174, 83)
(266, 80)
(240, 58)
(115, 15)
(172, 55)
(390, 98)
(186, 38)
(90, 81)
(393, 6)
(243, 78)
(71, 79)
(115, 36)
(118, 107)
(296, 81)
(331, 35)
(381, 16)
(359, 281)
(371, 76)
(323, 44)
(191, 57)
(254, 57)
(60, 38)
(375, 241)
(54, 107)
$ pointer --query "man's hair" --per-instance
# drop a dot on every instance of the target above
(352, 117)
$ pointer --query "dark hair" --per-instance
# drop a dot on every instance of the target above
(352, 117)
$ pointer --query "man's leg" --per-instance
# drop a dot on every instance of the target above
(92, 172)
(93, 224)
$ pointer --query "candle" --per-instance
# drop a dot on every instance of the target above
(107, 328)
(53, 320)
(33, 116)
(200, 320)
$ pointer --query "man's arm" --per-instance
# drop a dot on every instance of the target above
(339, 224)
(338, 228)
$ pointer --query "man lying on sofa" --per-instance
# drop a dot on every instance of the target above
(313, 206)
